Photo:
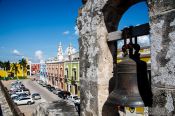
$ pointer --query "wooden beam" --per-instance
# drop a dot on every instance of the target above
(136, 31)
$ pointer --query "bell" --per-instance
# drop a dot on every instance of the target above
(126, 92)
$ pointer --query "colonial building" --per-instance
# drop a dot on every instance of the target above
(43, 75)
(55, 72)
(35, 68)
(63, 72)
(71, 74)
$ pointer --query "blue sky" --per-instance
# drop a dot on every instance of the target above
(27, 26)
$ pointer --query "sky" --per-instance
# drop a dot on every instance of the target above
(34, 28)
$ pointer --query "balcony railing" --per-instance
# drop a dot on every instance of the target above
(65, 80)
(74, 82)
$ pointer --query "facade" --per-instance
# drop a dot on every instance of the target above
(63, 73)
(55, 70)
(71, 75)
(11, 72)
(55, 73)
(43, 75)
(35, 68)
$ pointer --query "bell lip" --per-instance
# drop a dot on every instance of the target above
(124, 100)
(133, 104)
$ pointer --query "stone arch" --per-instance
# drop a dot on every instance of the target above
(97, 56)
(114, 10)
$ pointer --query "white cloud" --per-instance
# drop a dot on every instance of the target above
(39, 54)
(76, 30)
(144, 40)
(16, 52)
(66, 32)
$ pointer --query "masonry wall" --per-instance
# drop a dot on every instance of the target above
(4, 106)
(96, 62)
(97, 66)
(162, 24)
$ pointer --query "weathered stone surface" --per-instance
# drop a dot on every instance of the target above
(6, 111)
(163, 50)
(157, 7)
(162, 24)
(60, 108)
(97, 57)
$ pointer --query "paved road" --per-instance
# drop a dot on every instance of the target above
(34, 87)
(46, 96)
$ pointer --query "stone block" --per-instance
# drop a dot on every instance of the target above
(159, 6)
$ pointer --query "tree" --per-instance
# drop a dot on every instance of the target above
(23, 65)
(15, 69)
(1, 64)
(7, 65)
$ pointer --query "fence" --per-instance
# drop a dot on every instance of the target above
(14, 108)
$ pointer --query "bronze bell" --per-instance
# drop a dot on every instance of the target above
(126, 92)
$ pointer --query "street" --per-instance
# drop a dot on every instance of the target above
(34, 87)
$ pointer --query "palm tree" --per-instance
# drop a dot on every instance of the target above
(15, 69)
(1, 64)
(5, 66)
(23, 65)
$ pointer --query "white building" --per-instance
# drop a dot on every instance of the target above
(43, 72)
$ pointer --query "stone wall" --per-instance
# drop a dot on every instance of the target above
(162, 24)
(6, 111)
(97, 57)
(96, 63)
(60, 108)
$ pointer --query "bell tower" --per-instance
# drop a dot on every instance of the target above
(60, 53)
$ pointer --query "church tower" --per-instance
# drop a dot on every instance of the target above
(60, 53)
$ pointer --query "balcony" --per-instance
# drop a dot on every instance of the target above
(74, 82)
(65, 80)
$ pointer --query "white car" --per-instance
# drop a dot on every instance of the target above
(36, 96)
(19, 91)
(74, 98)
(25, 100)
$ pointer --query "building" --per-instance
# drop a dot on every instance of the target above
(43, 75)
(55, 73)
(55, 70)
(35, 68)
(63, 72)
(71, 74)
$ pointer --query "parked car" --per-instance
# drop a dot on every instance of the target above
(25, 100)
(14, 97)
(44, 84)
(51, 88)
(36, 96)
(48, 86)
(22, 95)
(27, 91)
(64, 94)
(74, 98)
(56, 91)
(40, 82)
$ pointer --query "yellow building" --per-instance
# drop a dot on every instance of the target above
(20, 72)
(144, 54)
(11, 72)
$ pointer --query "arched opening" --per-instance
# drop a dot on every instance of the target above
(114, 14)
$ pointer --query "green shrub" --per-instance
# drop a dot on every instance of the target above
(12, 78)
